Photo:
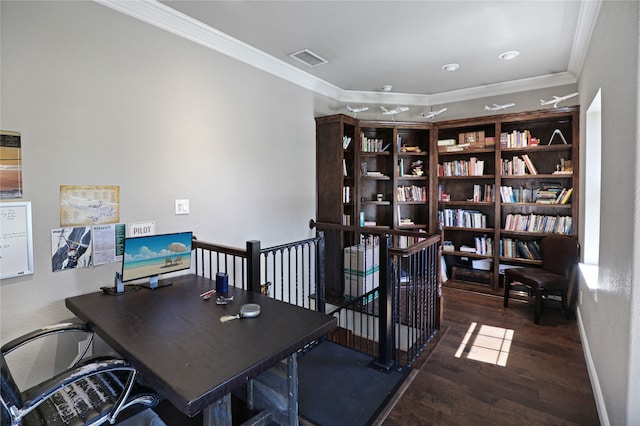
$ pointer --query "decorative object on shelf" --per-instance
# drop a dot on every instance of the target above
(406, 148)
(557, 132)
(432, 114)
(557, 99)
(416, 168)
(497, 107)
(396, 110)
(355, 111)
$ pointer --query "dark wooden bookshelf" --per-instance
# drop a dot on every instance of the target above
(544, 125)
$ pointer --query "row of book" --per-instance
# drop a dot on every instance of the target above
(547, 194)
(518, 139)
(483, 246)
(462, 218)
(518, 166)
(519, 249)
(483, 193)
(473, 167)
(411, 193)
(554, 195)
(538, 223)
(406, 241)
(509, 194)
(372, 145)
(346, 194)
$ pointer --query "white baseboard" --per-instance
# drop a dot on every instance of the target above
(593, 374)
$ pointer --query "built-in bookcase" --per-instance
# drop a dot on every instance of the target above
(491, 186)
(525, 188)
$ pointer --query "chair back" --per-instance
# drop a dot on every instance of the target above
(559, 254)
(9, 392)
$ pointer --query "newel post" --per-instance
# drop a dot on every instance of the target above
(385, 352)
(253, 266)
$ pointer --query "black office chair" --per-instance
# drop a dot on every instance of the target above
(557, 274)
(90, 392)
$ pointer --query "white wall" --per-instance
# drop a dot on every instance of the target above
(104, 99)
(610, 314)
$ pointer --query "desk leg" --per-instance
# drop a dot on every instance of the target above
(218, 413)
(293, 389)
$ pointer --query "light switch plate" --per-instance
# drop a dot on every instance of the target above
(182, 206)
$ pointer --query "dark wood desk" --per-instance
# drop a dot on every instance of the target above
(176, 340)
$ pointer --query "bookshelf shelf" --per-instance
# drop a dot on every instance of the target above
(488, 177)
(520, 261)
(463, 229)
(468, 254)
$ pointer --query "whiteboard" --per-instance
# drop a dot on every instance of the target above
(16, 243)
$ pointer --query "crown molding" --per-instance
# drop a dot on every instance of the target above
(589, 11)
(168, 19)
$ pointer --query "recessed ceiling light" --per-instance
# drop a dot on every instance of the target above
(508, 55)
(450, 67)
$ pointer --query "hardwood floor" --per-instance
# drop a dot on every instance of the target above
(543, 382)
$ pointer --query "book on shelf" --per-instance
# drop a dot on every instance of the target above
(346, 194)
(484, 245)
(483, 193)
(517, 249)
(346, 141)
(472, 167)
(411, 193)
(509, 194)
(448, 246)
(553, 194)
(538, 223)
(406, 241)
(462, 218)
(372, 173)
(454, 148)
(344, 167)
(518, 139)
(529, 163)
(517, 166)
(566, 196)
(372, 145)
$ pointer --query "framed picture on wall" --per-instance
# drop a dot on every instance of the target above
(10, 165)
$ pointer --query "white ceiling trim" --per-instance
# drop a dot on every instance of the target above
(168, 19)
(496, 89)
(587, 18)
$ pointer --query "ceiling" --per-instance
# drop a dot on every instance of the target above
(404, 44)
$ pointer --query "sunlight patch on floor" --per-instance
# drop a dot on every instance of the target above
(489, 344)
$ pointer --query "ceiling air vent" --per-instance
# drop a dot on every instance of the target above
(308, 58)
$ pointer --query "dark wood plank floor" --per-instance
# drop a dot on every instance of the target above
(544, 381)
